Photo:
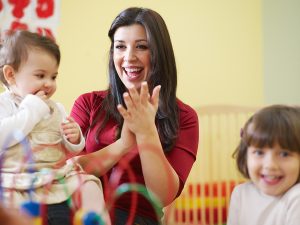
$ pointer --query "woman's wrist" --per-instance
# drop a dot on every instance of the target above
(121, 147)
(147, 135)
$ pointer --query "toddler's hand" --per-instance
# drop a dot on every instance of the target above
(42, 95)
(71, 130)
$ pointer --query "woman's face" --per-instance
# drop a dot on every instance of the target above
(131, 55)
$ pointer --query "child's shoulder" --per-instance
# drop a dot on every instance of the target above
(247, 185)
(293, 192)
(5, 97)
(291, 202)
(246, 188)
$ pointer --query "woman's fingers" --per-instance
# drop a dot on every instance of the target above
(135, 101)
(122, 111)
(128, 101)
(134, 95)
(155, 95)
(144, 95)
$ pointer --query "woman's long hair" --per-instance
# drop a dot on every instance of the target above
(163, 72)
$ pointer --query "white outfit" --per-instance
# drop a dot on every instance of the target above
(34, 152)
(249, 206)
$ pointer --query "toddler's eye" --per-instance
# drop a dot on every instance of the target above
(40, 76)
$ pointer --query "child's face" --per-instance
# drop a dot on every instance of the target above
(273, 170)
(38, 73)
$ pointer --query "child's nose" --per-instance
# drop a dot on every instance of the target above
(48, 83)
(270, 162)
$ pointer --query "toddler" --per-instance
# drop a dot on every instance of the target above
(37, 137)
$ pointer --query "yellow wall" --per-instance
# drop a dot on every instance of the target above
(217, 46)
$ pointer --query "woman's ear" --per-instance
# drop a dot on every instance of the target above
(9, 74)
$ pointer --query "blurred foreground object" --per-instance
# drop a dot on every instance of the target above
(14, 217)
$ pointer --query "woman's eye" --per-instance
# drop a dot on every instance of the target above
(119, 46)
(142, 46)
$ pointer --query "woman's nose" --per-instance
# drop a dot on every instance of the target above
(130, 55)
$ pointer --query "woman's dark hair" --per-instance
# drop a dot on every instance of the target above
(163, 72)
(272, 125)
(14, 48)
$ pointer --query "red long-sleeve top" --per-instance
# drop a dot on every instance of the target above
(181, 157)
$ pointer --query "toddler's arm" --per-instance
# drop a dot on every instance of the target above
(72, 135)
(20, 120)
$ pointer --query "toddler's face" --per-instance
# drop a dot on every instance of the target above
(273, 170)
(38, 73)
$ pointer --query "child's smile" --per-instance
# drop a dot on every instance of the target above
(273, 170)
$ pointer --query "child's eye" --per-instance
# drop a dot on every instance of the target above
(41, 76)
(284, 153)
(54, 77)
(258, 152)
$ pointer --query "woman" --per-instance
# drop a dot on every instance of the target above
(133, 136)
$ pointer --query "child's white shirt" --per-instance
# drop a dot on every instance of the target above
(249, 206)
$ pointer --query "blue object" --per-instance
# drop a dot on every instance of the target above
(31, 208)
(92, 218)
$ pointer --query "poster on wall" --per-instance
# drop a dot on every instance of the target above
(41, 16)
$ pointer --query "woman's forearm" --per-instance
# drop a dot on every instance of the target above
(99, 162)
(159, 175)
